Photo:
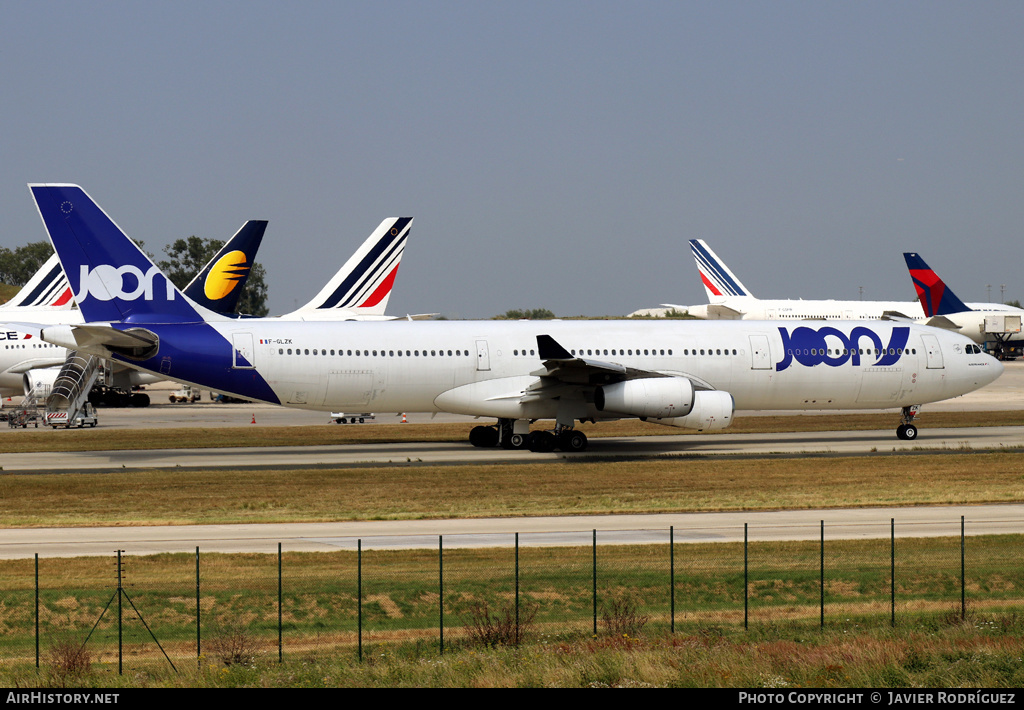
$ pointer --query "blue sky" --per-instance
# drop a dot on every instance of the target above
(553, 154)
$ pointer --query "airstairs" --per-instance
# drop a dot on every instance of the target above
(68, 402)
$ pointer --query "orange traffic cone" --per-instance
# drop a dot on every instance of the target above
(404, 420)
(254, 417)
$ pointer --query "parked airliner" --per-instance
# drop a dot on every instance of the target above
(729, 299)
(688, 374)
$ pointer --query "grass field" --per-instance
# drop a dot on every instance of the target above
(783, 646)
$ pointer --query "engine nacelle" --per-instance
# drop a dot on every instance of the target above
(39, 382)
(647, 397)
(712, 409)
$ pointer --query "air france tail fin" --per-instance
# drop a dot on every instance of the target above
(936, 298)
(111, 278)
(363, 285)
(48, 288)
(219, 285)
(718, 280)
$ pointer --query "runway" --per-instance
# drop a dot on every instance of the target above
(846, 443)
(854, 523)
(1006, 393)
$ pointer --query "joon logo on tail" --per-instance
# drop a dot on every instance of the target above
(832, 347)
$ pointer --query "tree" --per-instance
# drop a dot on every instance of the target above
(531, 314)
(19, 265)
(187, 257)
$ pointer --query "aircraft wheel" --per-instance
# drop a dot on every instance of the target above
(542, 441)
(483, 436)
(572, 440)
(910, 432)
(516, 441)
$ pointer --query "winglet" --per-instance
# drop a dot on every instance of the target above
(718, 280)
(936, 298)
(219, 285)
(549, 349)
(111, 278)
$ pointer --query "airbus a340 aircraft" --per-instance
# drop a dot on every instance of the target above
(729, 299)
(687, 374)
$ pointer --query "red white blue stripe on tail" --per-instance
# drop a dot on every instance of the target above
(48, 288)
(718, 280)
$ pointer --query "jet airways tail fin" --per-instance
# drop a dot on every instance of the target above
(718, 280)
(219, 285)
(48, 288)
(363, 285)
(936, 298)
(110, 277)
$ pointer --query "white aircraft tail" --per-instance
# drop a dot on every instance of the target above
(363, 285)
(718, 280)
(48, 288)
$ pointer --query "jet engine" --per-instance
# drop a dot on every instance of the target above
(39, 382)
(712, 409)
(647, 397)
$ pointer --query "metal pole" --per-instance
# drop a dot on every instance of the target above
(892, 571)
(672, 578)
(120, 638)
(594, 577)
(963, 578)
(440, 583)
(745, 579)
(821, 575)
(37, 612)
(199, 640)
(359, 593)
(518, 630)
(280, 604)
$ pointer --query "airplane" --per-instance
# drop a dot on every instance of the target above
(358, 291)
(729, 299)
(689, 374)
(26, 363)
(996, 325)
(47, 289)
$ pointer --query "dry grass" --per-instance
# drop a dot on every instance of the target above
(558, 488)
(100, 439)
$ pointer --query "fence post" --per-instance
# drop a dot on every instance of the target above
(37, 612)
(745, 579)
(440, 582)
(359, 594)
(821, 575)
(594, 576)
(518, 629)
(892, 571)
(963, 578)
(672, 578)
(280, 602)
(199, 638)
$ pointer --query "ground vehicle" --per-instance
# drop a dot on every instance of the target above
(185, 394)
(86, 417)
(343, 418)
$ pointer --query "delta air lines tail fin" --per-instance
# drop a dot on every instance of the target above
(219, 285)
(363, 284)
(718, 280)
(111, 278)
(936, 298)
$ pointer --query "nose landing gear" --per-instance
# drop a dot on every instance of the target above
(907, 431)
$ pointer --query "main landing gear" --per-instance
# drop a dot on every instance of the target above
(907, 431)
(516, 434)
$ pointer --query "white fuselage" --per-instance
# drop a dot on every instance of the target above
(486, 367)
